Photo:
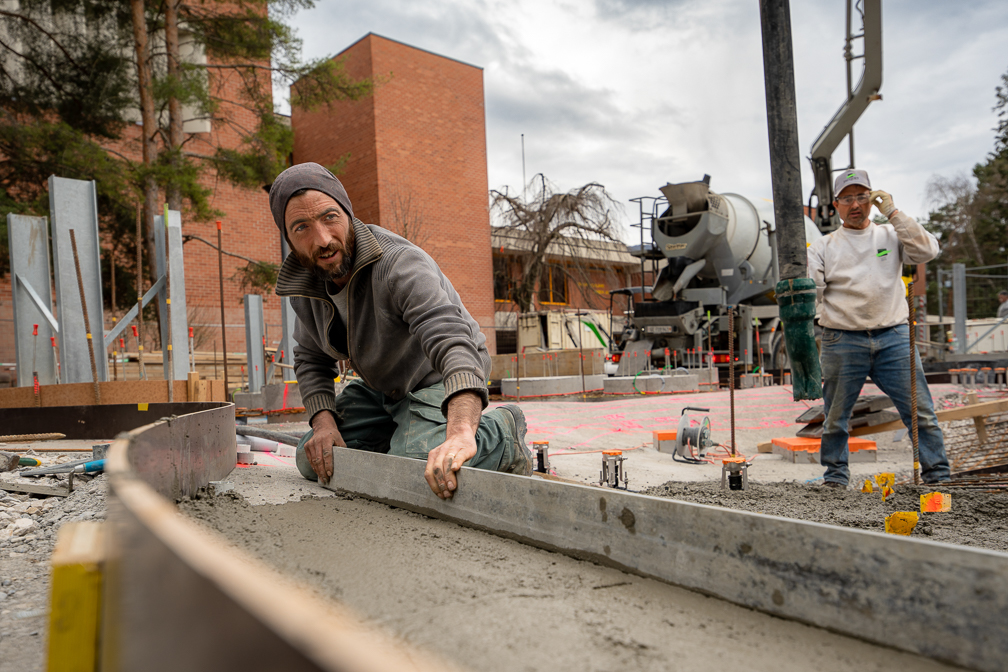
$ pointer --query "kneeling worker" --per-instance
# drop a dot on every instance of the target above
(364, 294)
(863, 312)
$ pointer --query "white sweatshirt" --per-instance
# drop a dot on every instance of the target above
(857, 272)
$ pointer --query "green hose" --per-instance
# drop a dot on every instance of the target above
(796, 299)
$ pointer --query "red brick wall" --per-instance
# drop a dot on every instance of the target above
(420, 139)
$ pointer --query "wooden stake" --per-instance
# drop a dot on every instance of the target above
(87, 320)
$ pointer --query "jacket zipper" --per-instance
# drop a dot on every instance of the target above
(349, 312)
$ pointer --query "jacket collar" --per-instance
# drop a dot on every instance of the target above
(296, 280)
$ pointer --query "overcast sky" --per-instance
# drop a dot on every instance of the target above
(637, 93)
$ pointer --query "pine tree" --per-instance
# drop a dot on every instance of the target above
(77, 75)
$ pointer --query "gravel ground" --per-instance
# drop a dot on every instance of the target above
(977, 518)
(28, 527)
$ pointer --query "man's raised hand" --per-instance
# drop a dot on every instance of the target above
(883, 201)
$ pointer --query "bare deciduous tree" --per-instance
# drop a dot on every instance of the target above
(406, 214)
(955, 215)
(552, 226)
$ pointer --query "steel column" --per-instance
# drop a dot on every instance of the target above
(179, 318)
(959, 305)
(28, 241)
(288, 319)
(255, 331)
(73, 205)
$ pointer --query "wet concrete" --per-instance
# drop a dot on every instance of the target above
(488, 603)
(978, 519)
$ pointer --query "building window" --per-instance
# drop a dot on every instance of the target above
(553, 286)
(503, 282)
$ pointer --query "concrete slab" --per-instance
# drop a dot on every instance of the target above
(248, 400)
(651, 383)
(550, 386)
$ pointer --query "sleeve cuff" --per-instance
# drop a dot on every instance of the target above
(464, 382)
(320, 402)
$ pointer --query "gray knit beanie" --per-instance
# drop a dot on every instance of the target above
(305, 176)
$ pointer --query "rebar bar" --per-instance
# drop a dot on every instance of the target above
(912, 320)
(731, 373)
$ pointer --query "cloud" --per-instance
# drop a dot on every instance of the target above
(634, 93)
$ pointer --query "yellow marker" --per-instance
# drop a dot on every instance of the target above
(89, 336)
(935, 502)
(75, 603)
(885, 479)
(867, 487)
(886, 491)
(167, 301)
(141, 407)
(169, 346)
(901, 522)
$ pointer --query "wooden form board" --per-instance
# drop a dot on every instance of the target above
(961, 413)
(179, 597)
(122, 392)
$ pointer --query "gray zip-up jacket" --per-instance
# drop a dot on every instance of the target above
(406, 325)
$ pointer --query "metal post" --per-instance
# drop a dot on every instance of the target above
(959, 305)
(223, 324)
(254, 335)
(138, 329)
(796, 293)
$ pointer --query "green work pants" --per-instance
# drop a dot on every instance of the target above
(414, 426)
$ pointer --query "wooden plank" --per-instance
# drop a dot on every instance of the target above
(961, 413)
(82, 394)
(78, 563)
(25, 488)
(182, 598)
(893, 591)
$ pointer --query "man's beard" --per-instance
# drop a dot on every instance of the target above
(334, 274)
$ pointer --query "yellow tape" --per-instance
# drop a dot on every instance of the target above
(141, 407)
(89, 337)
(168, 301)
(916, 466)
(140, 347)
(169, 346)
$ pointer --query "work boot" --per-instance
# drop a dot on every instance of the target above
(833, 485)
(517, 458)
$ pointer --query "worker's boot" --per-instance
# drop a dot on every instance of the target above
(517, 458)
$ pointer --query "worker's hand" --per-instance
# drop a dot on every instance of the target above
(444, 461)
(883, 201)
(319, 447)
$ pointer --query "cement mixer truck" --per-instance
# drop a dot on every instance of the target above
(707, 251)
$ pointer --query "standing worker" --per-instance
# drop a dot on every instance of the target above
(863, 312)
(1002, 304)
(364, 294)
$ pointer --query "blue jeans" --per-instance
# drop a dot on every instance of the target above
(848, 358)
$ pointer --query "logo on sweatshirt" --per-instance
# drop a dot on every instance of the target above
(882, 252)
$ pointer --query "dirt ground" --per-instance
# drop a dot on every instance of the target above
(488, 603)
(977, 518)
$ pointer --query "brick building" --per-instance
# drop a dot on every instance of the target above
(416, 159)
(579, 277)
(248, 230)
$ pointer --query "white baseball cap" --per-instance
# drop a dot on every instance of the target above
(849, 177)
